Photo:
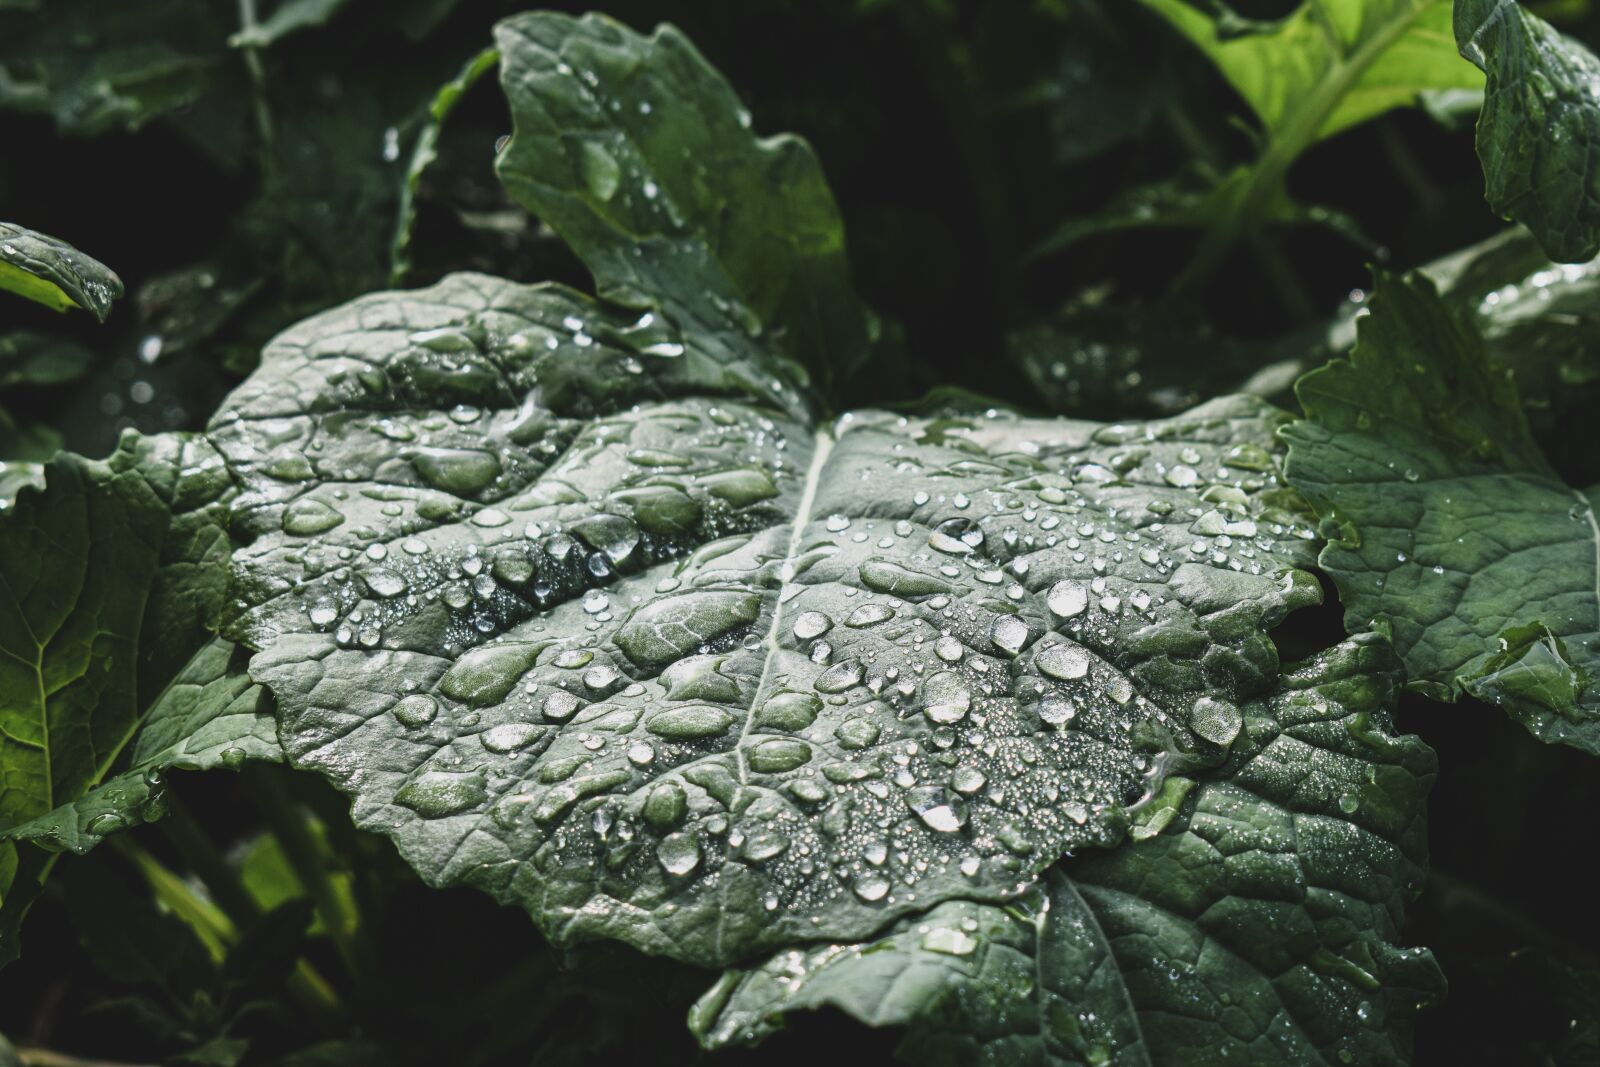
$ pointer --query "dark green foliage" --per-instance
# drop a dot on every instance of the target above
(872, 588)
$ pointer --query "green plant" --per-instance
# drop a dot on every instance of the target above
(714, 602)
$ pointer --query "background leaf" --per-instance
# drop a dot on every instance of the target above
(1540, 124)
(640, 155)
(1449, 530)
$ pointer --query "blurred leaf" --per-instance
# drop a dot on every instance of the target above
(1329, 65)
(426, 151)
(287, 17)
(133, 942)
(1108, 359)
(210, 716)
(97, 67)
(30, 358)
(271, 880)
(1193, 201)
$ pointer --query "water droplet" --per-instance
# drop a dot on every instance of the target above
(839, 678)
(678, 853)
(1215, 720)
(869, 615)
(871, 887)
(306, 518)
(1183, 476)
(779, 754)
(1063, 662)
(416, 711)
(1067, 598)
(436, 794)
(689, 722)
(810, 624)
(383, 583)
(939, 809)
(511, 736)
(1009, 634)
(950, 942)
(946, 698)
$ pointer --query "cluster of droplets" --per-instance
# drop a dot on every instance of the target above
(376, 559)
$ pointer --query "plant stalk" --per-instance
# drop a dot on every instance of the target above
(308, 858)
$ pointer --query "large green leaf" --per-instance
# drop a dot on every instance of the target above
(1450, 530)
(1258, 926)
(580, 605)
(110, 576)
(53, 273)
(1329, 65)
(640, 155)
(671, 667)
(1540, 127)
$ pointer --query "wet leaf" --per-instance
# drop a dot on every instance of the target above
(1540, 124)
(110, 574)
(53, 273)
(211, 716)
(1178, 948)
(1451, 531)
(638, 153)
(665, 667)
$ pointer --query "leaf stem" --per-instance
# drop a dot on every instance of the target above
(258, 80)
(1409, 168)
(215, 928)
(1282, 277)
(209, 922)
(1456, 893)
(196, 850)
(43, 1057)
(1241, 213)
(309, 859)
(1279, 272)
(424, 154)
